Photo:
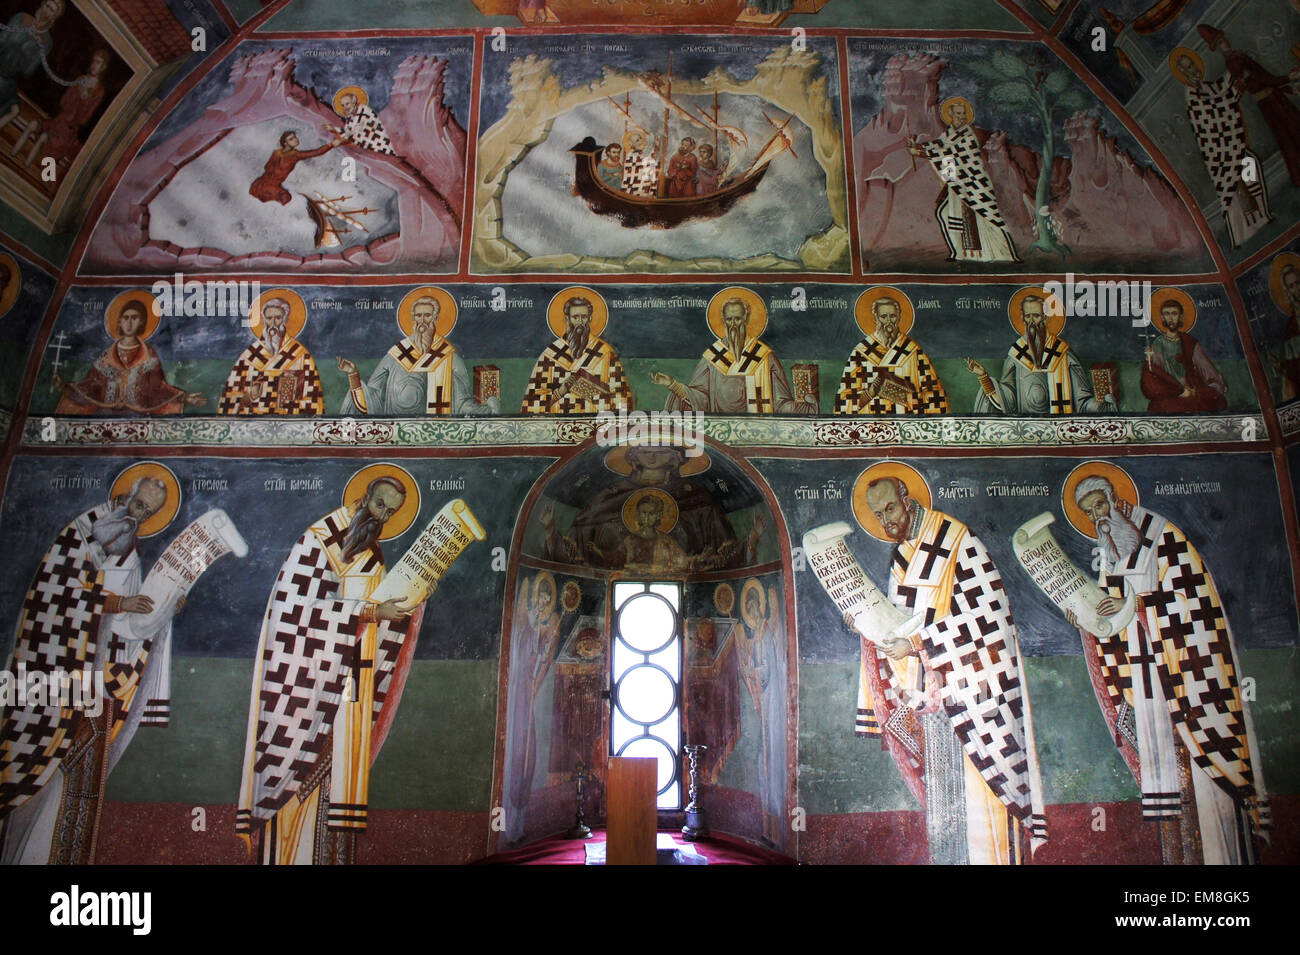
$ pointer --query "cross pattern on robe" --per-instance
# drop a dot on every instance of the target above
(543, 377)
(1062, 403)
(359, 663)
(1022, 352)
(934, 550)
(749, 356)
(761, 403)
(1145, 660)
(718, 353)
(406, 352)
(335, 539)
(1052, 351)
(438, 403)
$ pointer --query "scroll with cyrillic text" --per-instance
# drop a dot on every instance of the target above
(1062, 582)
(848, 585)
(416, 575)
(179, 567)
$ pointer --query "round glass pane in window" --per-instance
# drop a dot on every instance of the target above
(646, 694)
(648, 746)
(646, 623)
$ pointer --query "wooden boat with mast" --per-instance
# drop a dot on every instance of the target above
(662, 210)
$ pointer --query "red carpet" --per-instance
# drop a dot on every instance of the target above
(557, 850)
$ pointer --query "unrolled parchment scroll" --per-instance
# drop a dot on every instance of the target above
(1062, 582)
(176, 570)
(416, 575)
(853, 591)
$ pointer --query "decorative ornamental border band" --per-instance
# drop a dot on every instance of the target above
(735, 431)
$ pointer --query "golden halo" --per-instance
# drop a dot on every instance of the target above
(617, 461)
(627, 139)
(757, 311)
(542, 576)
(447, 310)
(297, 312)
(400, 522)
(114, 312)
(167, 513)
(362, 98)
(945, 109)
(917, 488)
(753, 586)
(1051, 308)
(570, 596)
(1125, 490)
(724, 598)
(1160, 296)
(867, 300)
(1274, 279)
(666, 522)
(1177, 70)
(599, 309)
(9, 294)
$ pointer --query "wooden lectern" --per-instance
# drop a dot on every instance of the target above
(631, 795)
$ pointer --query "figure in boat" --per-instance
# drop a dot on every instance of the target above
(641, 180)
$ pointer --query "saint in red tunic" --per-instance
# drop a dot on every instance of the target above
(269, 187)
(1164, 385)
(130, 380)
(681, 174)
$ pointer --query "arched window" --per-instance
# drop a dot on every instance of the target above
(645, 680)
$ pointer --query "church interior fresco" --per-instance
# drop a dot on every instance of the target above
(943, 356)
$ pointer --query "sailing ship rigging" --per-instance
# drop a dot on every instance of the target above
(637, 188)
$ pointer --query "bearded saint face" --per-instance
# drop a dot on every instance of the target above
(424, 323)
(274, 321)
(577, 327)
(886, 322)
(1117, 535)
(116, 531)
(381, 502)
(1190, 69)
(736, 320)
(1171, 316)
(889, 502)
(1035, 328)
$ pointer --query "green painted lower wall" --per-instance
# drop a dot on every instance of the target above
(840, 772)
(439, 754)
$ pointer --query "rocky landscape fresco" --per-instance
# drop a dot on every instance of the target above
(366, 146)
(1054, 172)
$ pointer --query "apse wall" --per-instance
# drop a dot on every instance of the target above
(294, 290)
